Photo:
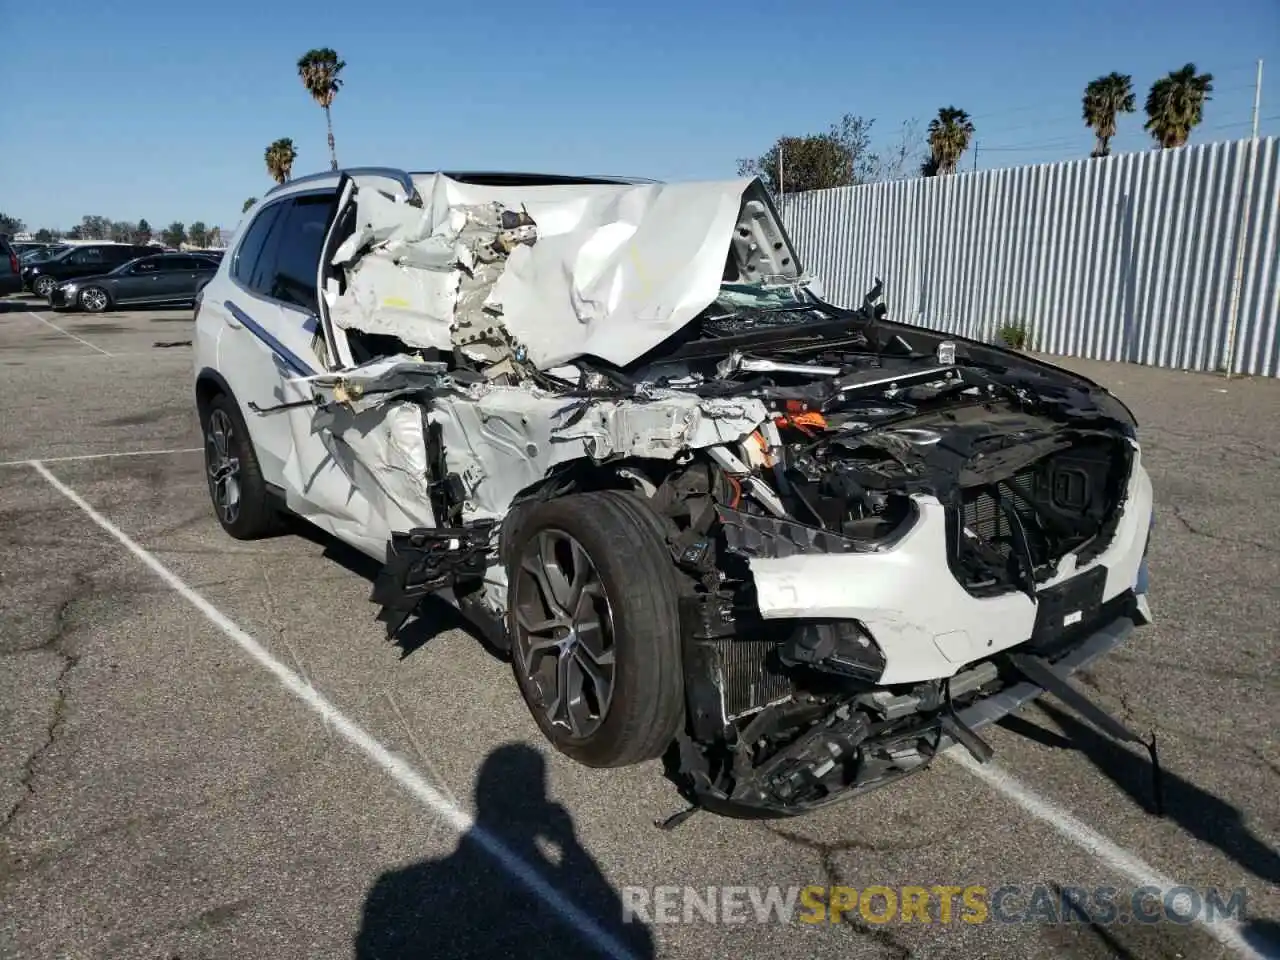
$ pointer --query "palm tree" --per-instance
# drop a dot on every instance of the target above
(1176, 104)
(949, 135)
(280, 156)
(319, 70)
(1105, 99)
(247, 204)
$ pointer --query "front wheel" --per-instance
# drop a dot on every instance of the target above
(595, 627)
(94, 299)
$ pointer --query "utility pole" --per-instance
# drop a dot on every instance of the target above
(975, 156)
(1246, 189)
(781, 191)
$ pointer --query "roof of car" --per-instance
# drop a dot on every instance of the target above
(492, 178)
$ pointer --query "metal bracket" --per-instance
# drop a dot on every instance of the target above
(1042, 673)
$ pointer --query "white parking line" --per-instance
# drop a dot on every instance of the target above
(49, 323)
(400, 771)
(1133, 868)
(27, 461)
(1121, 861)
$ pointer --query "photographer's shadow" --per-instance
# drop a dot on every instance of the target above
(470, 904)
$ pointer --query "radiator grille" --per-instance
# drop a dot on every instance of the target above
(748, 681)
(984, 518)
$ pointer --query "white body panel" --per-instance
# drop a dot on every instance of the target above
(927, 625)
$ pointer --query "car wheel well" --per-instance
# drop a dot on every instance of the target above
(208, 386)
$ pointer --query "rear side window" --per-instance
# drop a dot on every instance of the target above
(86, 256)
(250, 248)
(301, 237)
(179, 264)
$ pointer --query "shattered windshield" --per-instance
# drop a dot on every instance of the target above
(741, 307)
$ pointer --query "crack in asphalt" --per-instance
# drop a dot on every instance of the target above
(82, 587)
(890, 944)
(1196, 531)
(283, 775)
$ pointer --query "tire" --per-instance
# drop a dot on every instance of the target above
(241, 501)
(642, 706)
(42, 285)
(94, 300)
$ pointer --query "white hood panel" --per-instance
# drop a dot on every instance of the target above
(614, 270)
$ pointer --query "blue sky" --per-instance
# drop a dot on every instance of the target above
(163, 110)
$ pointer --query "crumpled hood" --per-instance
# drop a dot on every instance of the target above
(609, 271)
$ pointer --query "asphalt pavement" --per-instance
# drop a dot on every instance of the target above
(209, 748)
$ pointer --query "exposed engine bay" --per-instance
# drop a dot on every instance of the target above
(862, 516)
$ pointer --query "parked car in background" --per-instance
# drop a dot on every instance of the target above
(163, 278)
(33, 248)
(41, 251)
(10, 270)
(84, 260)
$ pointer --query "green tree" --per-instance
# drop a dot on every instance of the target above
(320, 71)
(76, 233)
(10, 225)
(950, 134)
(280, 156)
(1175, 105)
(143, 233)
(247, 204)
(94, 227)
(1104, 100)
(122, 231)
(174, 235)
(841, 157)
(198, 234)
(45, 235)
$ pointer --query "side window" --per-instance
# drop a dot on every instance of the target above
(87, 256)
(145, 266)
(249, 249)
(298, 251)
(177, 264)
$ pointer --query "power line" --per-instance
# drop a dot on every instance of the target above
(1062, 118)
(1062, 142)
(1234, 71)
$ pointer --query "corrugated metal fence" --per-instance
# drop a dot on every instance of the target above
(1143, 257)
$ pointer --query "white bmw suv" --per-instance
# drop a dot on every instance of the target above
(795, 547)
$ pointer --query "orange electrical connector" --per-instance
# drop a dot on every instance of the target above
(806, 422)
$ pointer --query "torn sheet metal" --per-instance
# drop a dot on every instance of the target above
(366, 478)
(406, 273)
(501, 440)
(555, 272)
(509, 438)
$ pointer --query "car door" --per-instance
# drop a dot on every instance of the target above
(270, 339)
(358, 474)
(85, 262)
(136, 283)
(175, 279)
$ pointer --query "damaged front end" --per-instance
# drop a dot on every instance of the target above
(872, 526)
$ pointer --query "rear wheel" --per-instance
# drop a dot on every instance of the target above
(94, 299)
(240, 498)
(595, 628)
(42, 286)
